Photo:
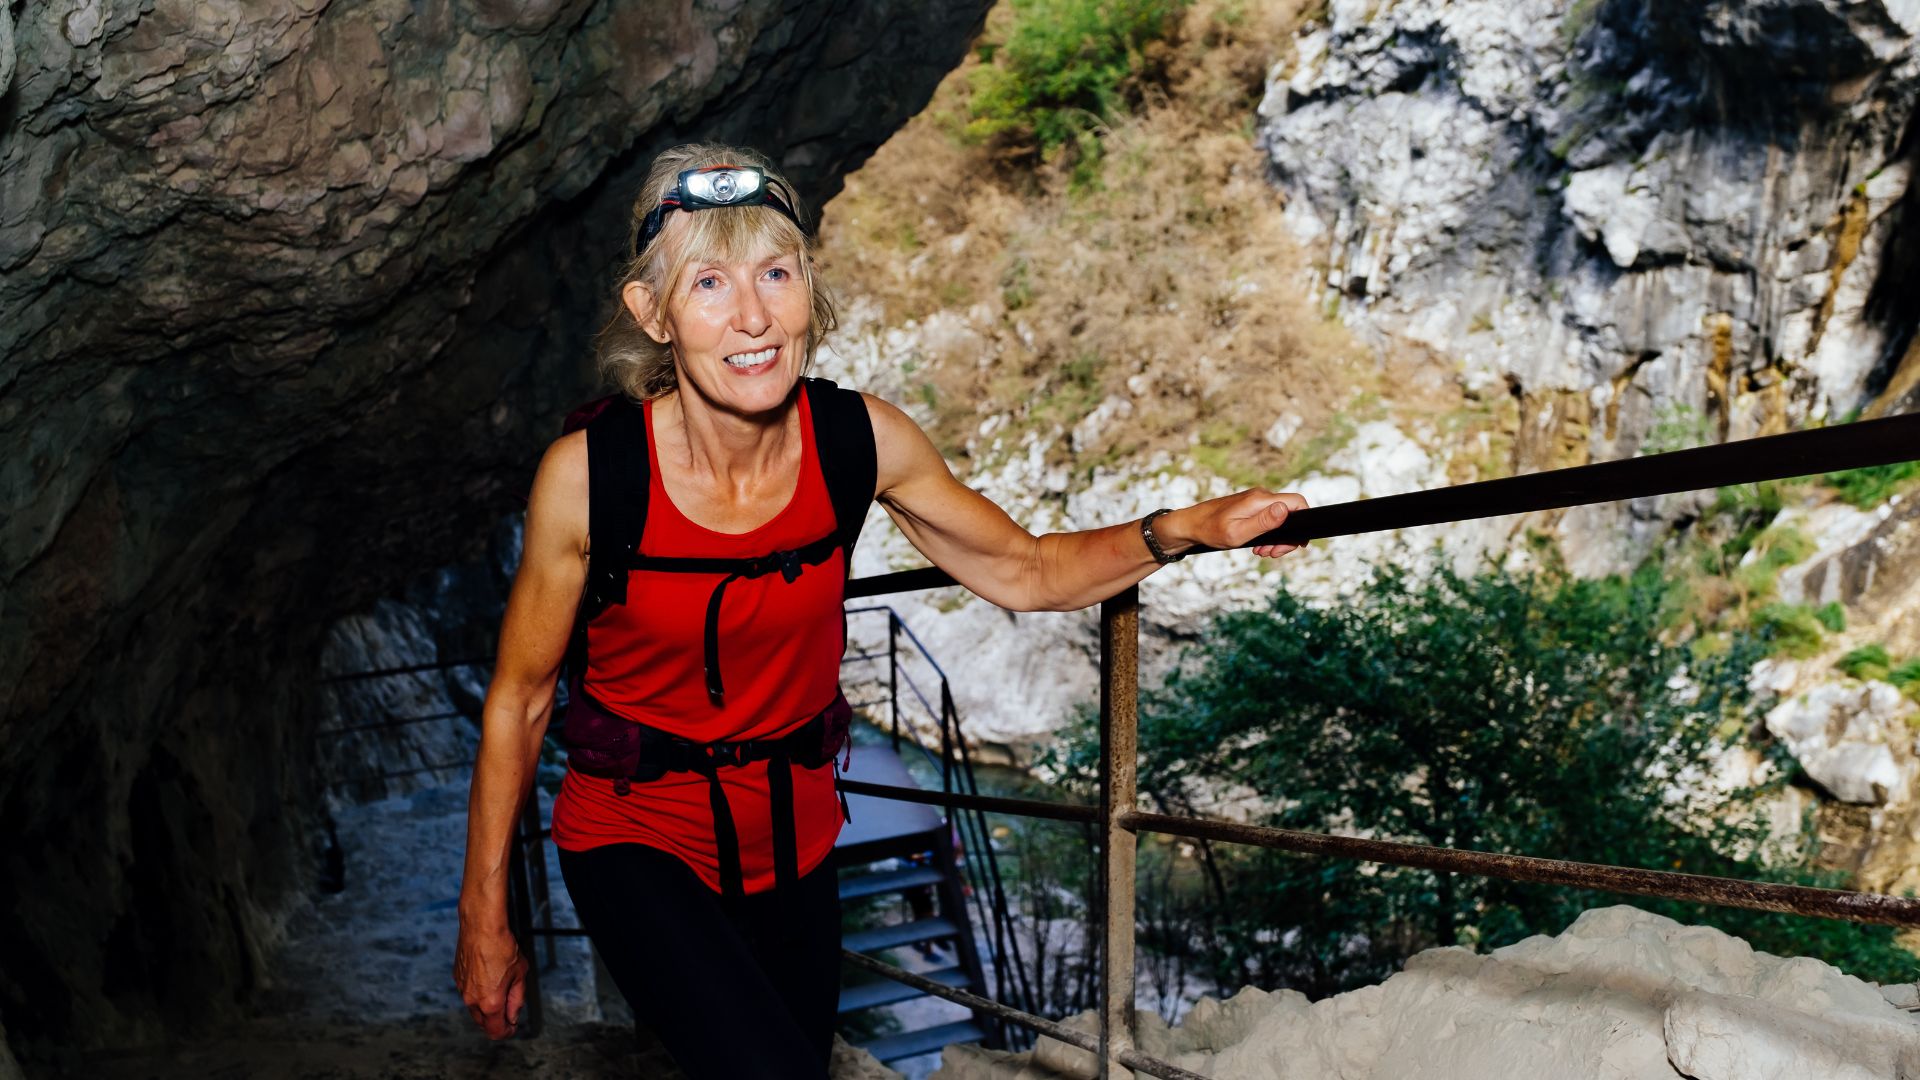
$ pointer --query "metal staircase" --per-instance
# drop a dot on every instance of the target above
(921, 848)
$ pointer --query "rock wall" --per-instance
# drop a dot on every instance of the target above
(291, 294)
(1644, 222)
(1621, 994)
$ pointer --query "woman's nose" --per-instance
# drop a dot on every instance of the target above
(751, 318)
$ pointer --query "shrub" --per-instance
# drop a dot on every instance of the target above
(1867, 662)
(1064, 66)
(1793, 629)
(1531, 715)
(1832, 616)
(1869, 487)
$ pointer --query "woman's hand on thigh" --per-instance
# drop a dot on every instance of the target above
(492, 977)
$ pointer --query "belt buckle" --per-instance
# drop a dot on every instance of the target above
(726, 753)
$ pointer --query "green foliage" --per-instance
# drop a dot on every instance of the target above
(1063, 68)
(1531, 715)
(1869, 487)
(1677, 427)
(1867, 662)
(1792, 629)
(1833, 616)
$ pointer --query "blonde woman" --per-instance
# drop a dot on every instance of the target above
(685, 558)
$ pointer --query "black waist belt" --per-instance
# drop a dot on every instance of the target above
(813, 744)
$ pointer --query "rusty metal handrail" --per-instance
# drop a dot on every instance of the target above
(1744, 461)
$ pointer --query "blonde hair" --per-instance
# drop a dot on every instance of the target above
(629, 359)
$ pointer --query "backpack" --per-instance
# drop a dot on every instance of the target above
(618, 486)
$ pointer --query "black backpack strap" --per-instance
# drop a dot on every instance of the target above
(843, 438)
(617, 486)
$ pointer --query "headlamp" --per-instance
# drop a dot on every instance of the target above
(709, 187)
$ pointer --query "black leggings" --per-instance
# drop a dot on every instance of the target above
(747, 988)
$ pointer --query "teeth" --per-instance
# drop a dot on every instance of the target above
(752, 358)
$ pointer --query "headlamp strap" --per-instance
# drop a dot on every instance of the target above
(757, 192)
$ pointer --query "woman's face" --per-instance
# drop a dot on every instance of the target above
(739, 330)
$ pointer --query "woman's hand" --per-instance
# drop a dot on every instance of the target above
(492, 977)
(1229, 521)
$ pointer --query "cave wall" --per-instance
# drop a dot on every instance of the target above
(292, 293)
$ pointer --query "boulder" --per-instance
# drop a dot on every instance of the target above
(1620, 995)
(1854, 739)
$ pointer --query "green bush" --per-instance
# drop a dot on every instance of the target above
(1539, 716)
(1064, 67)
(1793, 629)
(1869, 487)
(1832, 616)
(1867, 662)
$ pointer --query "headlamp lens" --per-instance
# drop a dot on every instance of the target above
(722, 186)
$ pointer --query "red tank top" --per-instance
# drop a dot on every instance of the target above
(780, 647)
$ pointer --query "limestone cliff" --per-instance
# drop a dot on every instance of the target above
(1626, 212)
(291, 294)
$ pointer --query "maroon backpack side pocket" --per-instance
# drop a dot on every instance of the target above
(598, 742)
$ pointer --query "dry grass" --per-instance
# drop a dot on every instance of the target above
(1161, 273)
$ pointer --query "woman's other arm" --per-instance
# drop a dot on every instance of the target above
(968, 536)
(487, 963)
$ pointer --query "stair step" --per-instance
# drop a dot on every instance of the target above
(887, 881)
(868, 995)
(909, 933)
(922, 1041)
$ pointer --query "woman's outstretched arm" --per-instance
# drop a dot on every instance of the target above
(487, 964)
(968, 536)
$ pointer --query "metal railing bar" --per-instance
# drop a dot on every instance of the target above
(1723, 892)
(1004, 928)
(932, 713)
(1742, 461)
(1052, 1029)
(1119, 769)
(924, 577)
(921, 646)
(997, 804)
(408, 669)
(389, 722)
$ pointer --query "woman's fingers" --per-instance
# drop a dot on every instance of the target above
(492, 982)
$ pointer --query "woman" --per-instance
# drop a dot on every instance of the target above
(706, 888)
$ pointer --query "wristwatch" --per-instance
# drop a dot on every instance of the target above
(1153, 542)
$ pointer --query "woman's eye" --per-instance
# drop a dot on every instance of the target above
(778, 273)
(708, 282)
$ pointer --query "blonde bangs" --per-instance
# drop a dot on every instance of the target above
(628, 358)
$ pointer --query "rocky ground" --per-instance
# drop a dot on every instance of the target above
(361, 986)
(1621, 994)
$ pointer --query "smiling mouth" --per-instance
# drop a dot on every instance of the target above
(748, 360)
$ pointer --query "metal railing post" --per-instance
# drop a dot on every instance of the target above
(1119, 746)
(893, 674)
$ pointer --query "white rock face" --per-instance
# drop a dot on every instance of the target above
(1019, 676)
(1853, 739)
(1554, 193)
(1621, 995)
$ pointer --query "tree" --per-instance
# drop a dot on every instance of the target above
(1533, 715)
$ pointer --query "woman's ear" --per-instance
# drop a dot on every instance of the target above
(638, 296)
